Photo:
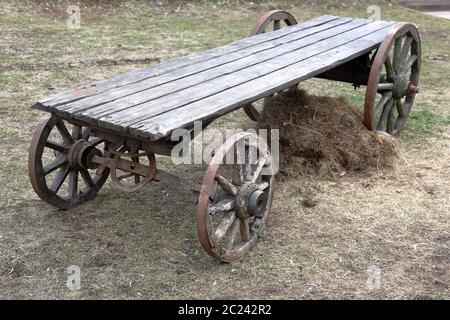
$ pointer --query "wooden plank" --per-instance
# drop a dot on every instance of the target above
(141, 74)
(129, 96)
(121, 120)
(228, 100)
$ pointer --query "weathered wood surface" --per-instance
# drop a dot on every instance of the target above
(150, 103)
(263, 63)
(216, 105)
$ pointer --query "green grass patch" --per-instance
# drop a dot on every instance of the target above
(3, 79)
(356, 98)
(424, 123)
(6, 134)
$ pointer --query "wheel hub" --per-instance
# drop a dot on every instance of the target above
(250, 201)
(412, 88)
(400, 87)
(81, 154)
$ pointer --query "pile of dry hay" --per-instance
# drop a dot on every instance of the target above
(324, 136)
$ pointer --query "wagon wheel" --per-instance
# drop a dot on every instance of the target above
(271, 21)
(235, 198)
(59, 163)
(125, 180)
(393, 80)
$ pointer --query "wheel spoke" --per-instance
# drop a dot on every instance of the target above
(245, 229)
(221, 206)
(263, 186)
(405, 49)
(87, 178)
(390, 121)
(232, 233)
(276, 25)
(384, 115)
(226, 185)
(253, 112)
(67, 138)
(389, 68)
(55, 164)
(96, 141)
(76, 132)
(237, 174)
(86, 133)
(135, 159)
(247, 171)
(256, 172)
(397, 51)
(385, 98)
(73, 184)
(57, 146)
(225, 224)
(400, 108)
(251, 154)
(239, 162)
(409, 62)
(59, 179)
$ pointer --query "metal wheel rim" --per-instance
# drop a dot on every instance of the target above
(393, 43)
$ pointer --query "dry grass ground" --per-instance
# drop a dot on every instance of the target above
(144, 245)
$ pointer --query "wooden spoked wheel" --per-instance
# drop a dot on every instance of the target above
(271, 21)
(393, 80)
(59, 163)
(128, 181)
(235, 198)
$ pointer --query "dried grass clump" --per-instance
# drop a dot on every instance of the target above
(324, 136)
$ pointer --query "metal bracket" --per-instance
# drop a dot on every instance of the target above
(258, 227)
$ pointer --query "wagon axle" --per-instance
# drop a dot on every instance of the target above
(82, 153)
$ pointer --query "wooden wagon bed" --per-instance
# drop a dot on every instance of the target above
(149, 103)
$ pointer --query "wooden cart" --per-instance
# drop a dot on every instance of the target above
(115, 127)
